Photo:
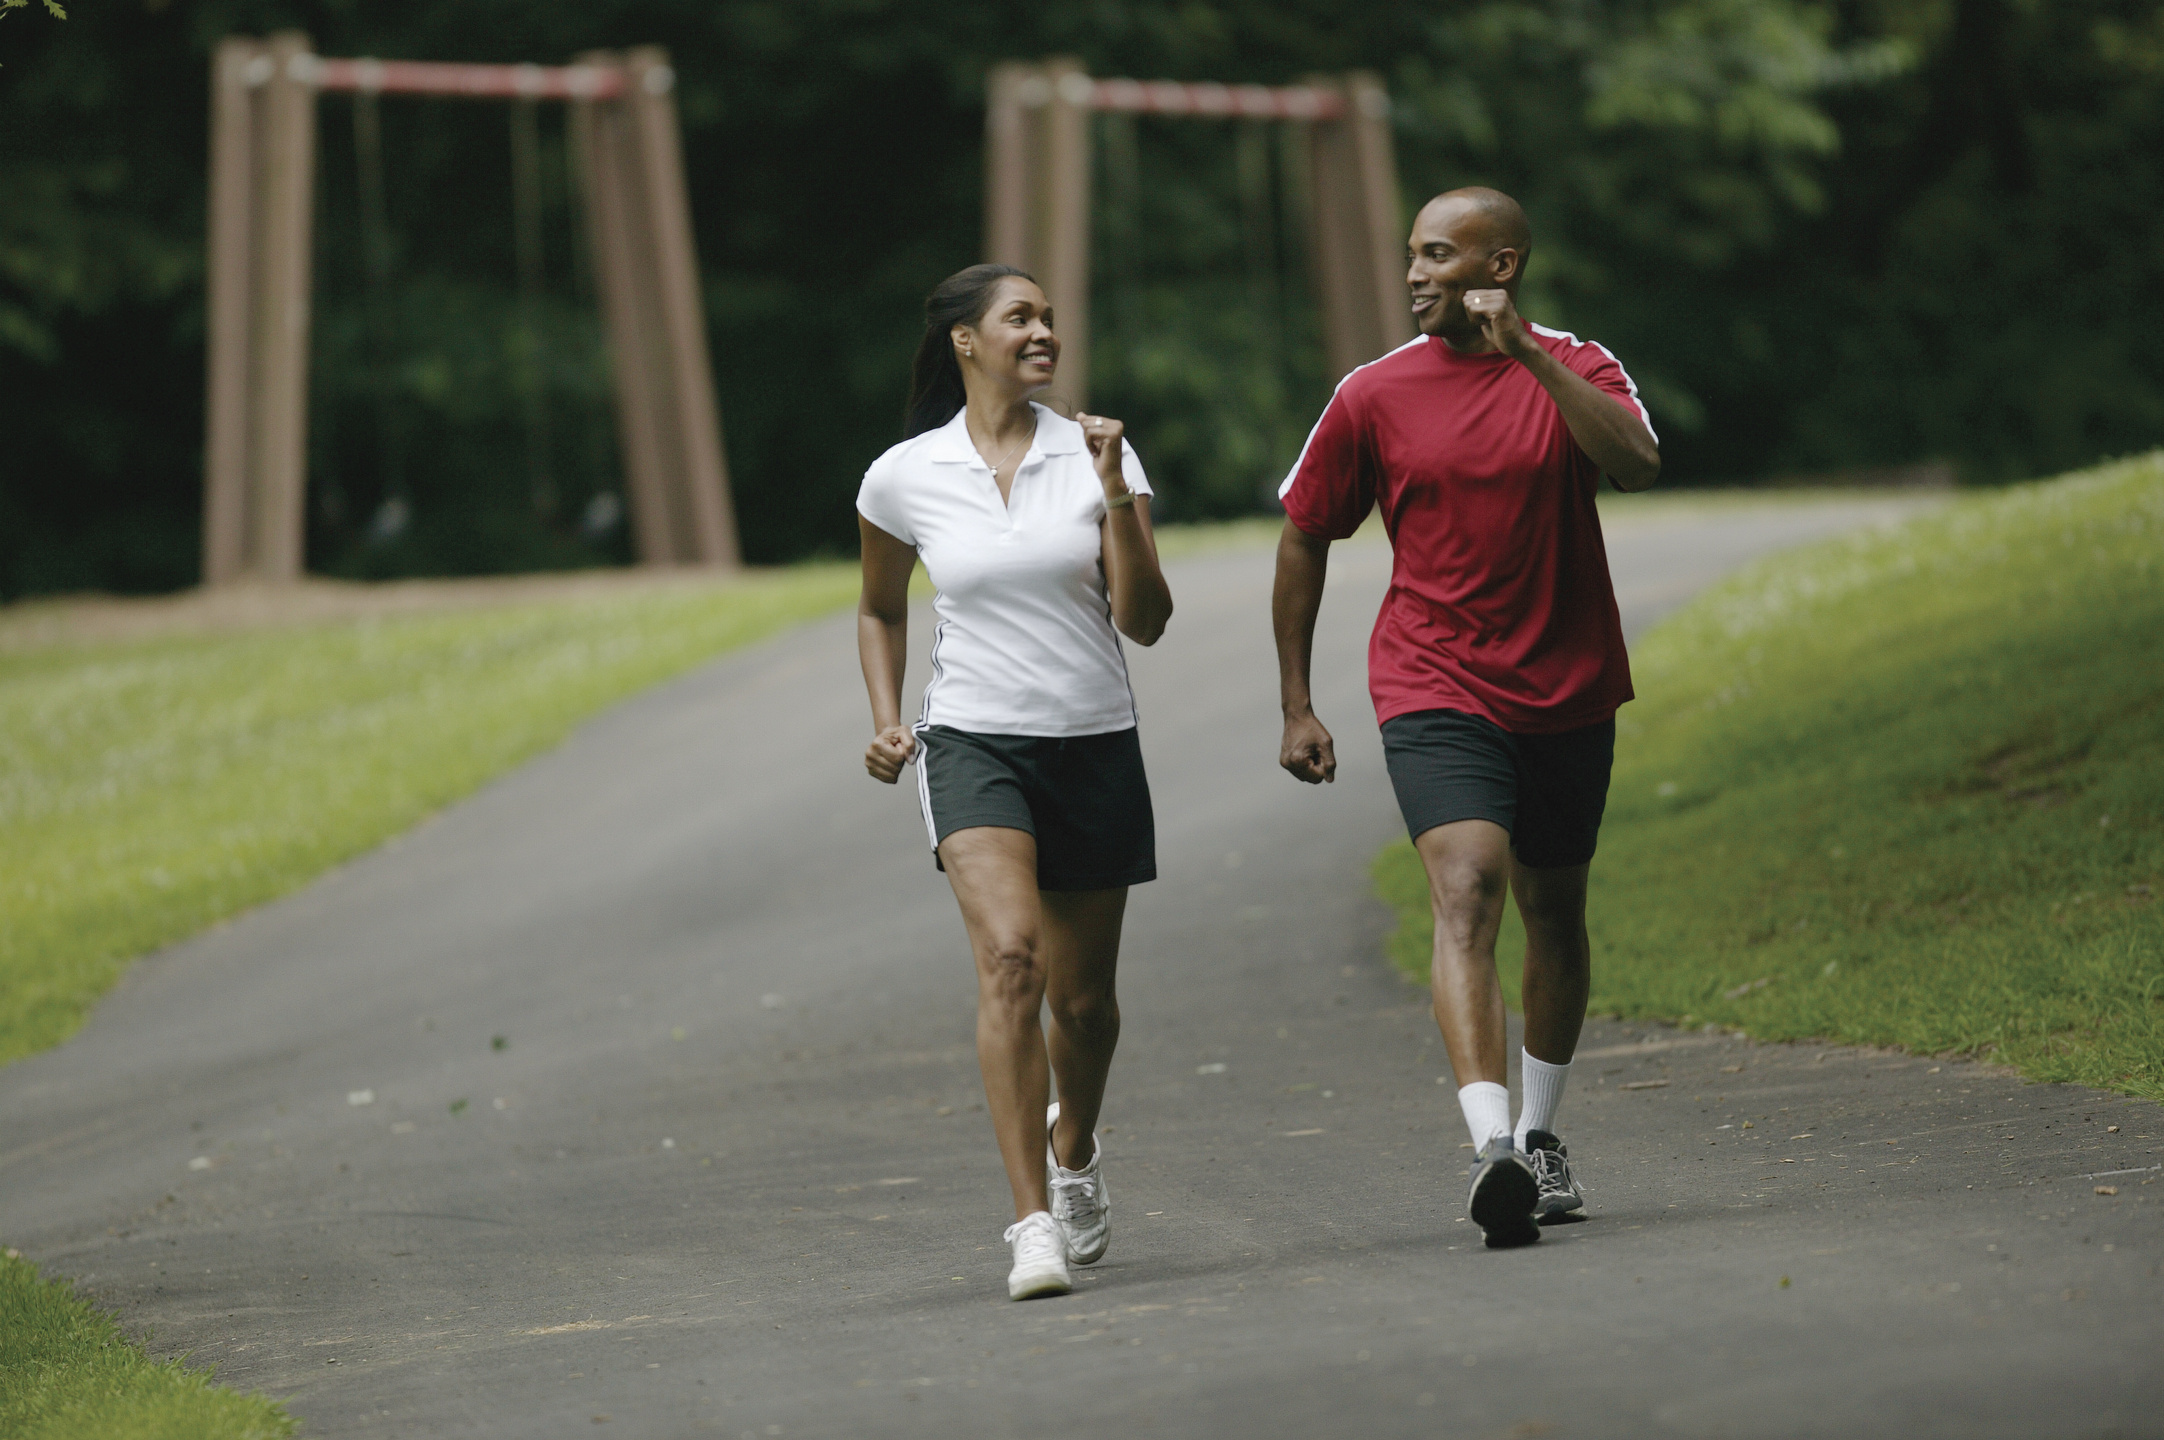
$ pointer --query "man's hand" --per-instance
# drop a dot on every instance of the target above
(1308, 753)
(1616, 439)
(889, 752)
(1499, 322)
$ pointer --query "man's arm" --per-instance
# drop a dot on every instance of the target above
(1295, 600)
(1617, 440)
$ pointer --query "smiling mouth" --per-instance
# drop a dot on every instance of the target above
(1038, 357)
(1424, 303)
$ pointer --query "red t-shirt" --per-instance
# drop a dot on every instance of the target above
(1499, 601)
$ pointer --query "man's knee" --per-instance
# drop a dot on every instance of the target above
(1553, 903)
(1463, 887)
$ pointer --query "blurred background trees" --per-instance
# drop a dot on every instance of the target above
(1821, 235)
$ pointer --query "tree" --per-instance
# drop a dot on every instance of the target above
(1781, 213)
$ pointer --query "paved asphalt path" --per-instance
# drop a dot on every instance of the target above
(727, 1171)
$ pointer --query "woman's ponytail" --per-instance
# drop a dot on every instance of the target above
(935, 377)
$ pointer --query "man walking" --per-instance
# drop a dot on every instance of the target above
(1497, 661)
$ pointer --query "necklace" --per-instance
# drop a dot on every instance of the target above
(1002, 460)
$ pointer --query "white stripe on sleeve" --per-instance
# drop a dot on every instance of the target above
(1294, 473)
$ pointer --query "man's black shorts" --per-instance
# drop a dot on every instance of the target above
(1548, 791)
(1085, 798)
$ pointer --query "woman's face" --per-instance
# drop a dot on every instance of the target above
(1012, 345)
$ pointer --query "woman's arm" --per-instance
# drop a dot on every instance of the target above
(883, 647)
(1141, 601)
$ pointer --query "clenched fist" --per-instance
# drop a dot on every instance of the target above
(1498, 319)
(889, 751)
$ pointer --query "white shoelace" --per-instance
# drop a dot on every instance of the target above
(1079, 1194)
(1035, 1241)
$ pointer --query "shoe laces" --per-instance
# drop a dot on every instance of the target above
(1551, 1170)
(1074, 1195)
(1036, 1237)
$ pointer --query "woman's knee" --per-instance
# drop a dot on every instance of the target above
(1087, 1015)
(1010, 969)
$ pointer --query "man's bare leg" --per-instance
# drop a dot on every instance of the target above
(1468, 864)
(1558, 978)
(1558, 958)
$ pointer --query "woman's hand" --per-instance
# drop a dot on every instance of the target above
(1104, 437)
(889, 751)
(882, 640)
(1141, 604)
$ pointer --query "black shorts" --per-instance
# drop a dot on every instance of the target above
(1548, 791)
(1084, 797)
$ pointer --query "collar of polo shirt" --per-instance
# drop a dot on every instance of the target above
(1056, 435)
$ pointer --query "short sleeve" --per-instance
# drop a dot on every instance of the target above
(879, 500)
(1597, 363)
(1332, 484)
(1131, 468)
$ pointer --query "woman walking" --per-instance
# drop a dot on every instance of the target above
(1035, 530)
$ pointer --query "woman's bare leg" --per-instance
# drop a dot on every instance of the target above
(1081, 949)
(994, 874)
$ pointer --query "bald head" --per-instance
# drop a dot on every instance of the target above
(1470, 239)
(1499, 223)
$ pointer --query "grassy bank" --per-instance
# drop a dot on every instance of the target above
(1905, 788)
(67, 1374)
(156, 778)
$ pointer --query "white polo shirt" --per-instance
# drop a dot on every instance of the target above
(1025, 644)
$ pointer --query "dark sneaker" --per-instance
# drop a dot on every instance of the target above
(1504, 1192)
(1559, 1197)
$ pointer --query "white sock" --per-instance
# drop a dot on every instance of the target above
(1487, 1110)
(1543, 1094)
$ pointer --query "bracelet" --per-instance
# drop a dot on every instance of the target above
(1120, 501)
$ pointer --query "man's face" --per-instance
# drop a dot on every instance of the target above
(1452, 250)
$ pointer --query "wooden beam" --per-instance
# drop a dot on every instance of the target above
(601, 131)
(701, 477)
(278, 448)
(237, 72)
(1064, 270)
(1358, 237)
(1011, 125)
(1335, 249)
(1382, 208)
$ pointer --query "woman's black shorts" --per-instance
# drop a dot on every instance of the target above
(1548, 791)
(1084, 797)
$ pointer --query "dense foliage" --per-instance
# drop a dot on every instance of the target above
(1821, 234)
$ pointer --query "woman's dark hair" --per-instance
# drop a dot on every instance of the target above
(935, 378)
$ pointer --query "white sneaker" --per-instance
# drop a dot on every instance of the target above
(1080, 1202)
(1040, 1257)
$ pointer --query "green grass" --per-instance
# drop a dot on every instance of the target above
(151, 787)
(66, 1373)
(1904, 788)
